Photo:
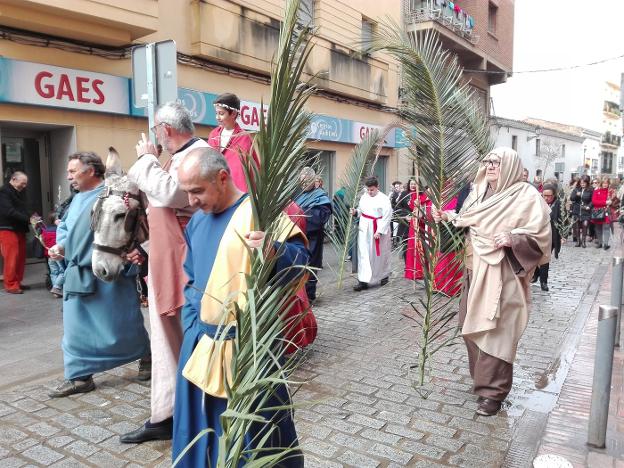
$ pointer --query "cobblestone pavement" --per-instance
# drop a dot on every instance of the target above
(358, 405)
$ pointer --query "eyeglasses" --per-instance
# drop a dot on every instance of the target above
(153, 129)
(491, 162)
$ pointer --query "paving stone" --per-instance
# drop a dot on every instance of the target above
(10, 435)
(130, 412)
(319, 447)
(355, 443)
(19, 418)
(380, 436)
(123, 427)
(390, 453)
(445, 443)
(393, 417)
(68, 463)
(143, 454)
(106, 459)
(425, 450)
(42, 455)
(341, 425)
(3, 453)
(359, 408)
(366, 421)
(314, 462)
(24, 444)
(113, 445)
(82, 449)
(28, 405)
(94, 399)
(404, 432)
(93, 434)
(68, 421)
(12, 462)
(6, 409)
(97, 416)
(46, 413)
(43, 429)
(59, 441)
(64, 405)
(357, 460)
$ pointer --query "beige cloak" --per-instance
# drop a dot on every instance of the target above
(498, 296)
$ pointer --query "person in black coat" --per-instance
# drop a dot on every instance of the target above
(549, 192)
(402, 213)
(14, 221)
(581, 205)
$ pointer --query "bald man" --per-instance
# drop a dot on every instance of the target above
(215, 251)
(14, 219)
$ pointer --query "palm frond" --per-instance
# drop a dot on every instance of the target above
(447, 133)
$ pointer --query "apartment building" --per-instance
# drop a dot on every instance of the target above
(611, 128)
(65, 73)
(554, 149)
(478, 32)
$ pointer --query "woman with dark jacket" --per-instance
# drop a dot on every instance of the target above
(549, 193)
(403, 212)
(581, 205)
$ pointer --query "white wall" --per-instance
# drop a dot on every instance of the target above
(526, 148)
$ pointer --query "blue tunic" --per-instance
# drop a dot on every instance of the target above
(195, 410)
(102, 322)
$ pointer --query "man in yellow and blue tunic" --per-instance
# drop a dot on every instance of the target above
(215, 264)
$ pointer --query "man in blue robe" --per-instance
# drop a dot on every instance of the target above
(102, 322)
(213, 248)
(317, 209)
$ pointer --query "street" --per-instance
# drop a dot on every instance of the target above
(358, 405)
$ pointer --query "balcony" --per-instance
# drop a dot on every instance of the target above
(247, 39)
(456, 20)
(612, 108)
(612, 140)
(107, 22)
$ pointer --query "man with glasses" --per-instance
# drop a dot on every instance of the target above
(168, 213)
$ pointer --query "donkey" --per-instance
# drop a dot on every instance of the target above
(117, 220)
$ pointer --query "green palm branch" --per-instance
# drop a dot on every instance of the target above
(448, 135)
(259, 367)
(361, 163)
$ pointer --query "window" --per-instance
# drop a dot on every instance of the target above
(306, 13)
(607, 162)
(560, 167)
(537, 147)
(514, 142)
(492, 13)
(563, 151)
(368, 29)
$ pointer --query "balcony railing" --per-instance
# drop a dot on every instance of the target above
(612, 108)
(452, 17)
(609, 139)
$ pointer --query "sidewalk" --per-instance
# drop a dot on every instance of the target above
(359, 405)
(566, 431)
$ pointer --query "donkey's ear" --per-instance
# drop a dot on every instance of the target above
(113, 163)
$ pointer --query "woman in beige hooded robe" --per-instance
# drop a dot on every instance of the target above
(509, 231)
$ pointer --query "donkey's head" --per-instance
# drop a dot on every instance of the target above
(117, 221)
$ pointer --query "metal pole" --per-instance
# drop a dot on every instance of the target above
(603, 366)
(617, 276)
(150, 62)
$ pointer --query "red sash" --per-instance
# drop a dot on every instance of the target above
(377, 251)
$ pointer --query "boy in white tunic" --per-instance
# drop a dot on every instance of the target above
(374, 241)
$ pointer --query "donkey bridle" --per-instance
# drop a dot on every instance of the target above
(107, 192)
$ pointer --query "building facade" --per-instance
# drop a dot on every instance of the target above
(478, 32)
(65, 78)
(550, 149)
(66, 75)
(611, 130)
